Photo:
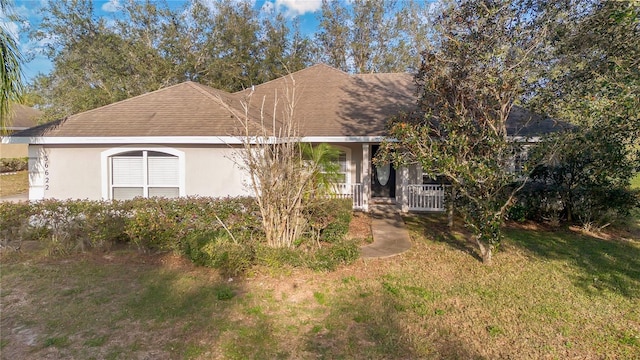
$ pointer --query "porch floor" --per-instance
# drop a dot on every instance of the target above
(390, 236)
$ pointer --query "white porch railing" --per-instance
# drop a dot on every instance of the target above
(426, 197)
(350, 191)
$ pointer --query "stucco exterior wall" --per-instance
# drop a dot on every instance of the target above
(78, 171)
(81, 171)
(213, 171)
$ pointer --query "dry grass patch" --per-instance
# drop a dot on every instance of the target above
(549, 295)
(14, 183)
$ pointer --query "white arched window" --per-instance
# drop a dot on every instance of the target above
(144, 173)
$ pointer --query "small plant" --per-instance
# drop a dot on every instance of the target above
(223, 292)
(59, 342)
(320, 298)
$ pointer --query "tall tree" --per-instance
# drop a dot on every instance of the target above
(371, 36)
(149, 45)
(468, 83)
(11, 84)
(592, 79)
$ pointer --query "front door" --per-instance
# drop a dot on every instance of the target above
(383, 177)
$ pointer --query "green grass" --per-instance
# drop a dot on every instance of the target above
(550, 294)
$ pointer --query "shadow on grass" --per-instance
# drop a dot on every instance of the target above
(206, 309)
(370, 323)
(599, 265)
(434, 227)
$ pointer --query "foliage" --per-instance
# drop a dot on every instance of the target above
(149, 46)
(587, 180)
(330, 219)
(210, 250)
(11, 83)
(288, 177)
(468, 83)
(15, 164)
(220, 233)
(591, 79)
(366, 36)
(154, 224)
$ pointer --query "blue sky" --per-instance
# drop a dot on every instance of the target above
(29, 12)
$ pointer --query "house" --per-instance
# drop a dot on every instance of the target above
(22, 117)
(183, 140)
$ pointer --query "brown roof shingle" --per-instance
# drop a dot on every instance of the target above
(329, 102)
(23, 117)
(186, 109)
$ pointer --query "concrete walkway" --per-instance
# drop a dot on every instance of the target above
(390, 236)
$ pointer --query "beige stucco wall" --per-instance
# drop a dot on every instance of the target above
(64, 172)
(79, 171)
(76, 172)
(212, 171)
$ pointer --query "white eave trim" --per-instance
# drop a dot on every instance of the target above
(224, 140)
(212, 140)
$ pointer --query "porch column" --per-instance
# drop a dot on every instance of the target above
(38, 171)
(365, 177)
(404, 189)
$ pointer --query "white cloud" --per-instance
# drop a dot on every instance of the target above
(11, 28)
(111, 6)
(298, 7)
(267, 8)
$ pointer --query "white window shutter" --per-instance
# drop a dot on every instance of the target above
(163, 171)
(127, 170)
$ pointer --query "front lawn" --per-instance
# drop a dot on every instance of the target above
(550, 295)
(14, 183)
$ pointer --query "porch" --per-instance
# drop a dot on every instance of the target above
(413, 198)
(366, 183)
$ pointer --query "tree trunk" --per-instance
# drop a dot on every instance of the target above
(450, 206)
(486, 251)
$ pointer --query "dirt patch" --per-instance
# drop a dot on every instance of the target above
(360, 227)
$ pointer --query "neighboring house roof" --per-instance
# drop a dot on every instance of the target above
(328, 103)
(23, 117)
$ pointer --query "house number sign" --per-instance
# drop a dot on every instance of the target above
(46, 172)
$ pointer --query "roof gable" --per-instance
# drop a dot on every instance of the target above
(186, 109)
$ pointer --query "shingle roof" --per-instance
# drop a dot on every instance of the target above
(23, 117)
(186, 109)
(329, 102)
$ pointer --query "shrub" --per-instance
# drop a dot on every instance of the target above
(14, 164)
(212, 250)
(329, 220)
(220, 233)
(162, 224)
(329, 258)
(279, 257)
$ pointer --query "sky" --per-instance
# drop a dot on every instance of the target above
(29, 13)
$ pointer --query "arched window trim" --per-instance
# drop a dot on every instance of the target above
(106, 174)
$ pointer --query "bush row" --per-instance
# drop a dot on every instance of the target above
(219, 233)
(14, 164)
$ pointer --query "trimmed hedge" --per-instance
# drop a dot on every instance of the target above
(221, 233)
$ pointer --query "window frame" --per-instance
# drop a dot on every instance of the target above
(106, 166)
